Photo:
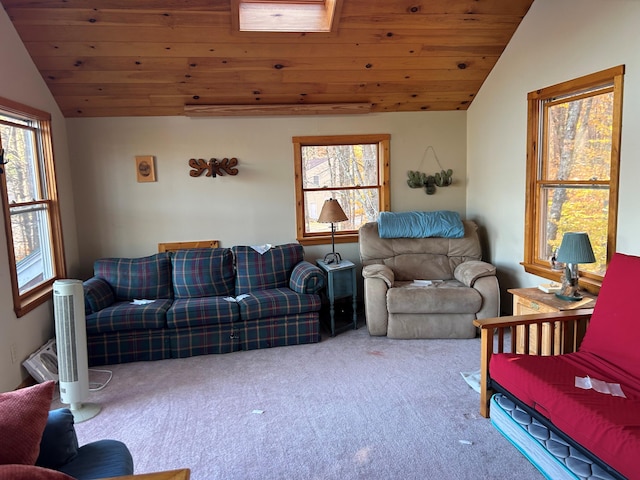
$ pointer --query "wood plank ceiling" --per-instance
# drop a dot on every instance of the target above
(152, 57)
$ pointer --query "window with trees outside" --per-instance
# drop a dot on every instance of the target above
(573, 159)
(354, 169)
(30, 204)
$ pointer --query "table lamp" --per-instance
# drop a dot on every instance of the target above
(574, 249)
(332, 213)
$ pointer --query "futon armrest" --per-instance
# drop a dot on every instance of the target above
(306, 278)
(469, 272)
(382, 272)
(572, 323)
(536, 318)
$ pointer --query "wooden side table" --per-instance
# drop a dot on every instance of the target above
(341, 283)
(533, 300)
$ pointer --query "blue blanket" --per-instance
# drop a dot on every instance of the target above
(441, 223)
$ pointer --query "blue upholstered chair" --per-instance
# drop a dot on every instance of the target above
(59, 450)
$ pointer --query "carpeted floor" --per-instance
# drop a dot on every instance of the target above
(349, 407)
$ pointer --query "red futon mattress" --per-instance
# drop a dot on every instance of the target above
(607, 426)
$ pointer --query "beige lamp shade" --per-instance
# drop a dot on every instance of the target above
(332, 212)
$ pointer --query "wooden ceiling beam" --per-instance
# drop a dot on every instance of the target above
(283, 109)
(124, 111)
(216, 36)
(207, 64)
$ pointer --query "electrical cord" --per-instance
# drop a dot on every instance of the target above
(96, 386)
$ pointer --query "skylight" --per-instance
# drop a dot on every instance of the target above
(285, 15)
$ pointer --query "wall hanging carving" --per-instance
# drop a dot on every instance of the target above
(418, 179)
(213, 167)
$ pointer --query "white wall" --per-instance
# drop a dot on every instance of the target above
(558, 40)
(119, 217)
(21, 82)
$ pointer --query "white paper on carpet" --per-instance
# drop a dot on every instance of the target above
(472, 379)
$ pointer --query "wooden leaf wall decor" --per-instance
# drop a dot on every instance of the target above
(213, 167)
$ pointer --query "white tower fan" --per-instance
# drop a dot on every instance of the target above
(71, 340)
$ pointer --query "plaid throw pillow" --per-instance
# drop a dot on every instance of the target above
(142, 278)
(203, 272)
(272, 269)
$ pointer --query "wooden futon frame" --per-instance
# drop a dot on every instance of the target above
(556, 333)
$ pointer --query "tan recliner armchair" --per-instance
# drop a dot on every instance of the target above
(463, 287)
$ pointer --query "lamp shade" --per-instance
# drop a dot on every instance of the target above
(576, 248)
(332, 212)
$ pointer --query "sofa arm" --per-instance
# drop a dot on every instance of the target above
(306, 278)
(469, 272)
(382, 272)
(377, 281)
(98, 294)
(59, 443)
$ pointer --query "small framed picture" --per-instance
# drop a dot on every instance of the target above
(145, 168)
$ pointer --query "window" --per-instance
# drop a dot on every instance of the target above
(30, 204)
(285, 15)
(354, 169)
(573, 158)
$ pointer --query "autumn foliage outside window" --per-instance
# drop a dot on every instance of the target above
(353, 169)
(572, 169)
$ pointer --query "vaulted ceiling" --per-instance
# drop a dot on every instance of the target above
(152, 57)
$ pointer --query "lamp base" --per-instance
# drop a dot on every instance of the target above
(570, 298)
(333, 257)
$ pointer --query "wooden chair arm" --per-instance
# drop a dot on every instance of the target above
(538, 334)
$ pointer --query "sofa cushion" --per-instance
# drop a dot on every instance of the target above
(137, 278)
(59, 444)
(203, 272)
(615, 318)
(272, 269)
(23, 416)
(448, 297)
(605, 425)
(192, 312)
(128, 316)
(30, 472)
(98, 294)
(277, 302)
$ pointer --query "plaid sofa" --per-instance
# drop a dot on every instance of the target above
(201, 301)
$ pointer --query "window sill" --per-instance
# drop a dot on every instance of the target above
(33, 300)
(326, 239)
(589, 284)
